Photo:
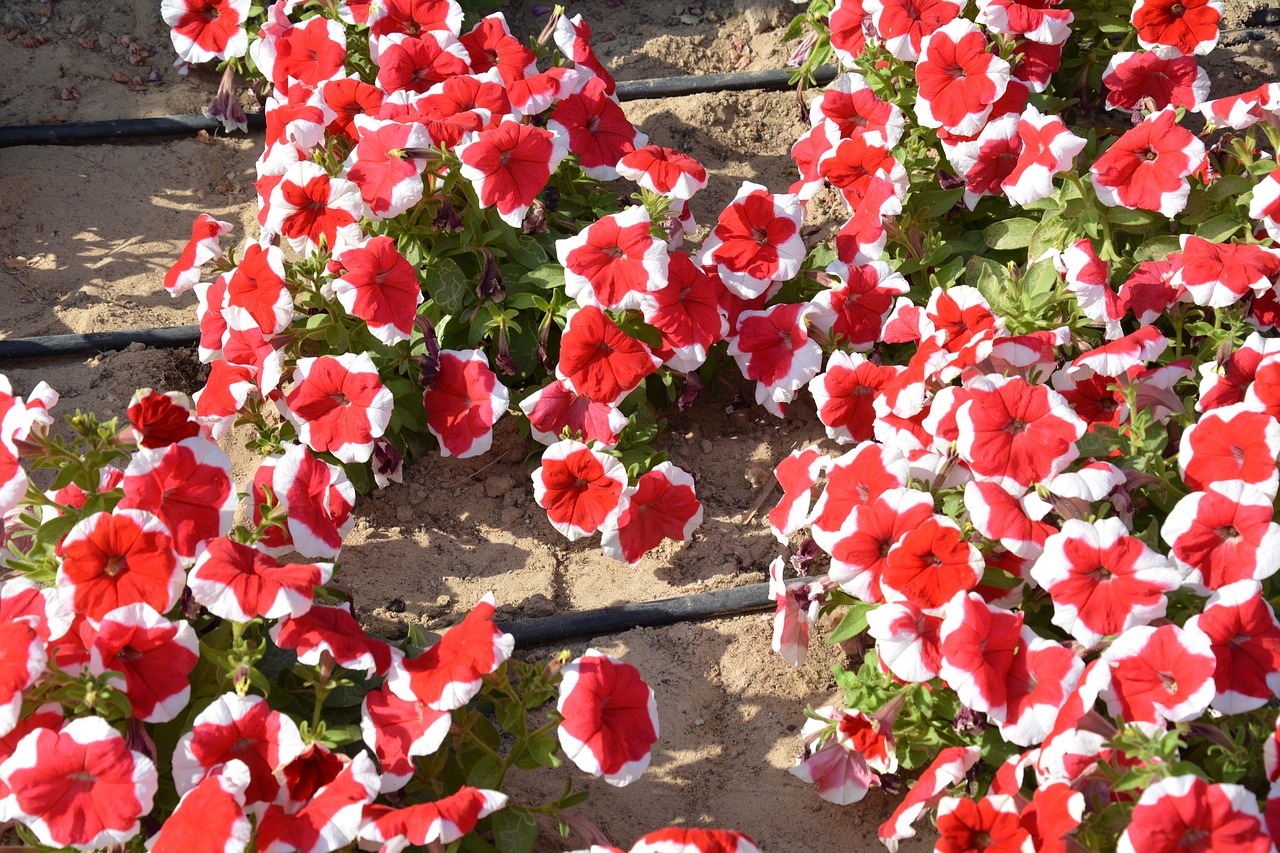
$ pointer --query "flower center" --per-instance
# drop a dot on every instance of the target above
(760, 235)
(1016, 426)
(1148, 154)
(1101, 574)
(116, 564)
(1178, 10)
(1229, 533)
(1169, 683)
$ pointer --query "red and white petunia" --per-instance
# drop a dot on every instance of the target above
(186, 485)
(309, 208)
(258, 286)
(598, 131)
(464, 403)
(1221, 274)
(413, 17)
(978, 643)
(853, 311)
(1177, 809)
(578, 486)
(844, 767)
(694, 840)
(113, 559)
(796, 608)
(797, 474)
(1132, 77)
(1040, 679)
(1038, 21)
(408, 63)
(339, 405)
(158, 420)
(152, 657)
(1265, 206)
(440, 822)
(1244, 110)
(845, 392)
(205, 245)
(509, 165)
(960, 78)
(599, 360)
(859, 548)
(1160, 674)
(852, 165)
(240, 582)
(210, 817)
(930, 564)
(79, 786)
(1147, 167)
(23, 658)
(992, 823)
(663, 171)
(244, 728)
(948, 769)
(1223, 535)
(773, 348)
(756, 241)
(1231, 443)
(610, 718)
(398, 730)
(1189, 28)
(223, 396)
(662, 505)
(205, 30)
(1015, 518)
(1103, 580)
(908, 641)
(1121, 356)
(448, 675)
(308, 53)
(1048, 148)
(381, 165)
(849, 103)
(1015, 433)
(904, 27)
(379, 286)
(317, 498)
(334, 631)
(686, 313)
(328, 820)
(985, 161)
(1244, 631)
(848, 22)
(615, 262)
(573, 37)
(556, 407)
(1089, 280)
(1226, 381)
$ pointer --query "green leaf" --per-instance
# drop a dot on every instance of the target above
(1157, 249)
(514, 830)
(485, 772)
(1053, 232)
(853, 623)
(547, 277)
(1039, 285)
(1009, 234)
(1219, 229)
(1100, 441)
(1126, 218)
(937, 202)
(446, 285)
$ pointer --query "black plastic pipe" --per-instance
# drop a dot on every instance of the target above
(605, 621)
(82, 345)
(183, 125)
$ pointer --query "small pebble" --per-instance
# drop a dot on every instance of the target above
(404, 513)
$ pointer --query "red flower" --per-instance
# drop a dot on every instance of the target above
(848, 36)
(1265, 206)
(578, 487)
(663, 171)
(349, 97)
(930, 564)
(1245, 634)
(773, 348)
(509, 165)
(687, 313)
(948, 768)
(258, 286)
(309, 53)
(1047, 148)
(1244, 110)
(960, 79)
(317, 498)
(187, 486)
(1102, 580)
(614, 262)
(333, 630)
(204, 30)
(1179, 812)
(238, 582)
(610, 718)
(849, 103)
(904, 25)
(851, 165)
(159, 420)
(1231, 443)
(843, 766)
(205, 245)
(210, 817)
(1223, 535)
(380, 287)
(339, 405)
(844, 395)
(1041, 677)
(990, 824)
(491, 45)
(557, 407)
(309, 208)
(329, 820)
(441, 822)
(679, 840)
(662, 505)
(113, 559)
(154, 657)
(448, 675)
(756, 241)
(397, 731)
(242, 728)
(599, 360)
(223, 396)
(598, 131)
(413, 17)
(860, 547)
(415, 64)
(573, 38)
(979, 642)
(1221, 274)
(389, 177)
(1036, 20)
(1160, 674)
(79, 786)
(1189, 27)
(465, 402)
(23, 658)
(853, 311)
(797, 474)
(1147, 167)
(1176, 81)
(1089, 280)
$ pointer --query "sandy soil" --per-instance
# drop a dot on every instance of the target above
(88, 232)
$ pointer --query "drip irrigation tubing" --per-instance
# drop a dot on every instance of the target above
(74, 133)
(605, 621)
(58, 346)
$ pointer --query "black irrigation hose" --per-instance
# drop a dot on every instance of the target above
(604, 621)
(54, 346)
(147, 128)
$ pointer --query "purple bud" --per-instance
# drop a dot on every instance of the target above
(225, 107)
(388, 463)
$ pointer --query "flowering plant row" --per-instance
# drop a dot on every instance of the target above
(1050, 344)
(167, 675)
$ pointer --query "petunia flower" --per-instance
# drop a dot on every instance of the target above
(1221, 274)
(333, 630)
(1039, 21)
(615, 262)
(209, 818)
(663, 171)
(379, 286)
(152, 657)
(848, 22)
(991, 823)
(596, 128)
(204, 246)
(1147, 167)
(258, 286)
(844, 394)
(904, 27)
(773, 348)
(398, 730)
(1175, 809)
(464, 403)
(113, 559)
(448, 675)
(188, 486)
(978, 644)
(1186, 27)
(694, 840)
(491, 45)
(329, 820)
(413, 17)
(205, 30)
(1042, 675)
(756, 241)
(609, 718)
(239, 582)
(1223, 535)
(796, 609)
(1231, 443)
(309, 208)
(959, 78)
(573, 37)
(389, 177)
(317, 498)
(443, 821)
(509, 165)
(339, 404)
(578, 487)
(948, 769)
(844, 767)
(1047, 148)
(686, 312)
(662, 505)
(409, 63)
(1245, 637)
(310, 53)
(853, 108)
(797, 474)
(859, 547)
(1160, 674)
(1132, 77)
(600, 361)
(556, 407)
(23, 659)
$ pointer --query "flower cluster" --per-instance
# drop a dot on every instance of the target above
(168, 676)
(1048, 348)
(433, 176)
